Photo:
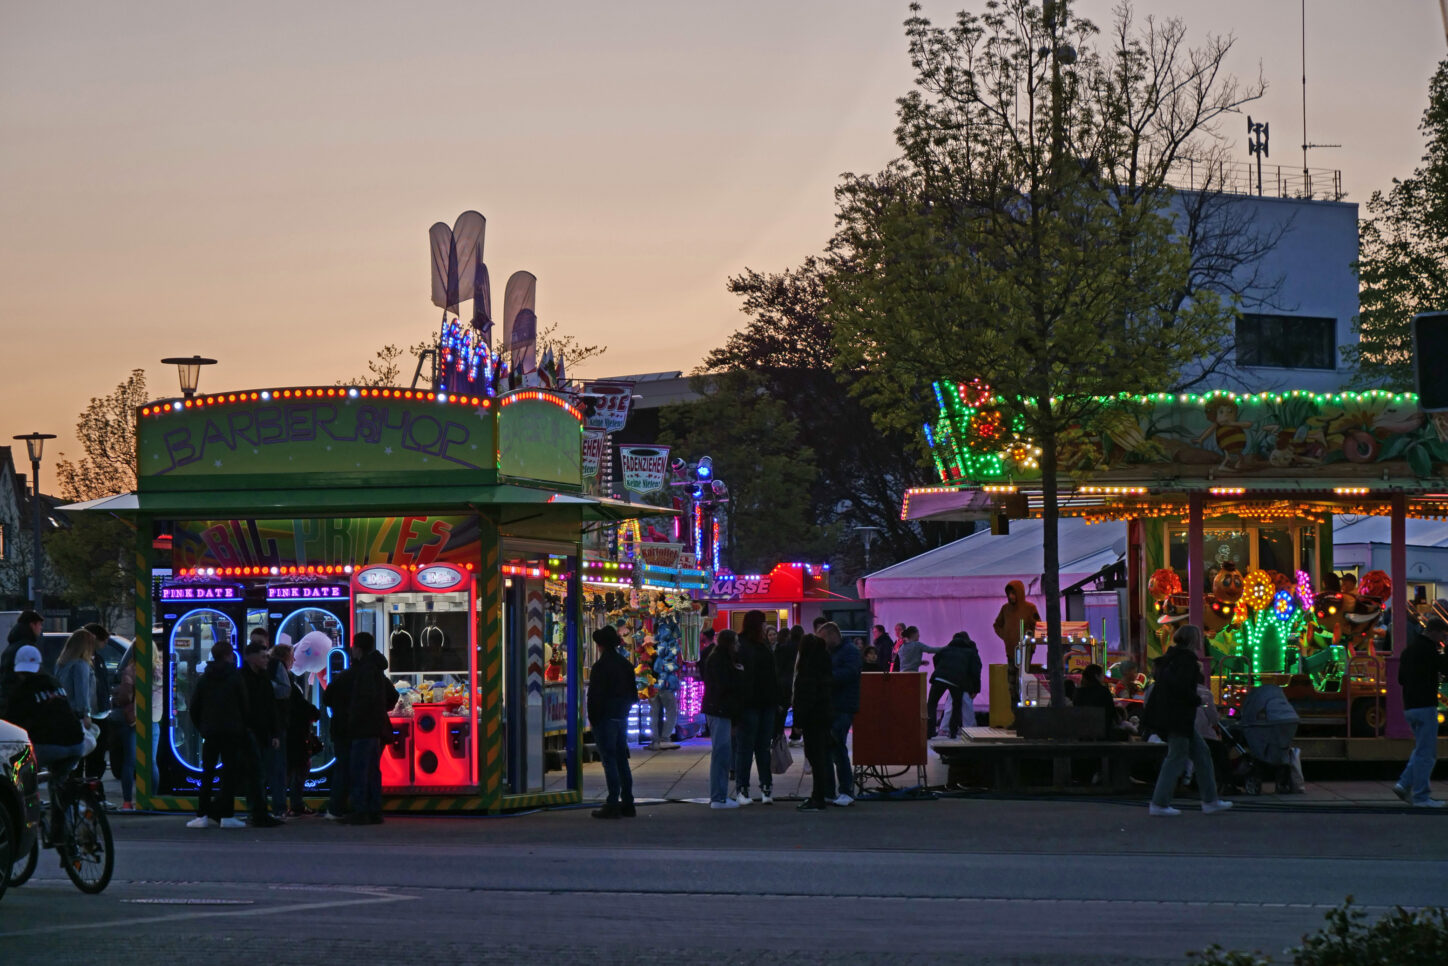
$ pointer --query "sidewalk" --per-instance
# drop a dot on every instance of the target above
(682, 775)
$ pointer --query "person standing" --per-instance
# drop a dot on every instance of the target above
(1171, 711)
(218, 712)
(337, 698)
(813, 714)
(261, 729)
(612, 691)
(912, 652)
(845, 668)
(27, 631)
(274, 759)
(298, 714)
(786, 651)
(957, 673)
(123, 745)
(754, 726)
(1420, 669)
(95, 762)
(723, 691)
(75, 670)
(665, 702)
(371, 695)
(1017, 619)
(884, 649)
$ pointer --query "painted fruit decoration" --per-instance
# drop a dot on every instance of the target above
(1359, 446)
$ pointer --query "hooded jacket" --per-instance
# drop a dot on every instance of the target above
(218, 705)
(958, 664)
(20, 635)
(37, 703)
(612, 688)
(1009, 621)
(723, 685)
(1171, 708)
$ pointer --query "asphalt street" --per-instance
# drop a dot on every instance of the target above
(954, 880)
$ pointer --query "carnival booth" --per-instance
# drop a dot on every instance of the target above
(1229, 500)
(791, 593)
(446, 525)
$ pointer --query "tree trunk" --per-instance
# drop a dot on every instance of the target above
(1051, 561)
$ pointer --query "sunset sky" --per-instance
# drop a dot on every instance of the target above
(255, 181)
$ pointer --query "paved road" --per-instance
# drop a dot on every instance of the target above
(945, 881)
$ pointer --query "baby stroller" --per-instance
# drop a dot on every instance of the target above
(1262, 731)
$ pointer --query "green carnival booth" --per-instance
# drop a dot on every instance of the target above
(447, 525)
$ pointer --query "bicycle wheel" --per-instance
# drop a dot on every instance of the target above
(24, 866)
(88, 852)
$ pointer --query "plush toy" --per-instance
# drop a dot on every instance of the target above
(1223, 602)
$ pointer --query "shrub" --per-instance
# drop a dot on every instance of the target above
(1403, 937)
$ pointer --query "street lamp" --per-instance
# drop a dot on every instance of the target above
(867, 536)
(35, 444)
(189, 370)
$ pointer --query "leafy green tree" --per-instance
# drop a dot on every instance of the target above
(93, 556)
(1403, 256)
(1028, 234)
(759, 452)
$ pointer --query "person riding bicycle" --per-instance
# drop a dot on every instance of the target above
(36, 702)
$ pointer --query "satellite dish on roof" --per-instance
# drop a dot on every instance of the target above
(1118, 547)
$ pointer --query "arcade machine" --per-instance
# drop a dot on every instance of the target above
(423, 623)
(312, 615)
(195, 613)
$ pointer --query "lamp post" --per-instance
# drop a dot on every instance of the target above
(35, 444)
(189, 370)
(867, 537)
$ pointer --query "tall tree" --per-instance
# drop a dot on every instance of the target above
(1028, 234)
(93, 556)
(1403, 256)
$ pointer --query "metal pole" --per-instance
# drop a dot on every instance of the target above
(37, 587)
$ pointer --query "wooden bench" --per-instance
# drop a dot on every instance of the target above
(1115, 760)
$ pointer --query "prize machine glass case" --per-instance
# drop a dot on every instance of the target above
(536, 611)
(194, 616)
(311, 615)
(423, 622)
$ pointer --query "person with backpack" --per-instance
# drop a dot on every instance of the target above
(372, 695)
(1171, 711)
(956, 672)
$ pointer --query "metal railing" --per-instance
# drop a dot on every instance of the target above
(1240, 178)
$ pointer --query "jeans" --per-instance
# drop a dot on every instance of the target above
(957, 697)
(1424, 722)
(753, 732)
(665, 706)
(817, 743)
(125, 751)
(839, 732)
(219, 803)
(610, 736)
(274, 763)
(61, 760)
(720, 758)
(1178, 749)
(338, 803)
(365, 760)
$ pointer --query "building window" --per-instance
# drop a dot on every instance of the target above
(1287, 342)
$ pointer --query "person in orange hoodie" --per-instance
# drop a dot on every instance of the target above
(1017, 618)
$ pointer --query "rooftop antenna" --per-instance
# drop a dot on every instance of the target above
(1306, 175)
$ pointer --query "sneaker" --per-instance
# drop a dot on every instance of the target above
(743, 798)
(1164, 810)
(1430, 803)
(810, 805)
(1403, 794)
(332, 816)
(303, 812)
(765, 798)
(128, 806)
(670, 745)
(607, 811)
(654, 746)
(202, 821)
(842, 801)
(279, 817)
(266, 821)
(233, 822)
(727, 803)
(1220, 805)
(627, 811)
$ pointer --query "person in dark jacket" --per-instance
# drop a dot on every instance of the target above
(336, 699)
(884, 648)
(612, 691)
(299, 714)
(1420, 669)
(786, 650)
(263, 728)
(956, 672)
(218, 712)
(1171, 712)
(813, 712)
(1092, 692)
(35, 701)
(753, 728)
(845, 663)
(370, 696)
(27, 629)
(723, 696)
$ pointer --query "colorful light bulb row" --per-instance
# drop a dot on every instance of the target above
(538, 395)
(290, 570)
(314, 393)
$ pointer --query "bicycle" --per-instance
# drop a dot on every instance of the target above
(86, 848)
